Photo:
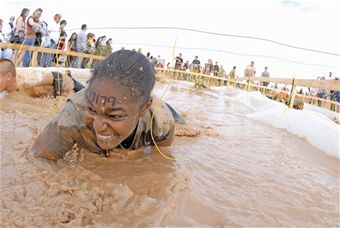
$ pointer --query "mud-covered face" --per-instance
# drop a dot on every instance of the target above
(113, 111)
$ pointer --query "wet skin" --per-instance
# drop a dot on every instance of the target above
(113, 112)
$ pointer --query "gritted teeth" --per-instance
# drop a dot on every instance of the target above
(106, 137)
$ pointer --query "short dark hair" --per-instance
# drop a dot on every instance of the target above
(131, 68)
(63, 22)
(9, 67)
(83, 26)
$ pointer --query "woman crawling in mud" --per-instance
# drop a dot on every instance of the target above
(113, 112)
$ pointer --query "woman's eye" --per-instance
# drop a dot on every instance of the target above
(91, 110)
(115, 116)
(118, 117)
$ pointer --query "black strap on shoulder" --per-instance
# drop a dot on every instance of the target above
(57, 84)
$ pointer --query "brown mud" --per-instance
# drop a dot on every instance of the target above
(229, 171)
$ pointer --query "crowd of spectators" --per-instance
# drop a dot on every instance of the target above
(31, 30)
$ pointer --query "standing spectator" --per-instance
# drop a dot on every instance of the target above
(108, 50)
(39, 33)
(4, 53)
(160, 62)
(216, 69)
(320, 93)
(154, 61)
(61, 42)
(11, 22)
(8, 30)
(100, 49)
(100, 46)
(19, 34)
(72, 46)
(265, 74)
(208, 68)
(20, 27)
(32, 26)
(148, 55)
(330, 75)
(186, 65)
(81, 43)
(196, 64)
(336, 98)
(90, 47)
(232, 73)
(221, 72)
(139, 50)
(250, 70)
(54, 34)
(62, 35)
(179, 62)
(43, 39)
(331, 92)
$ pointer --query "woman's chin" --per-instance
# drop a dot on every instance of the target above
(107, 145)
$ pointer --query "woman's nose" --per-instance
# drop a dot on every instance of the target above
(99, 123)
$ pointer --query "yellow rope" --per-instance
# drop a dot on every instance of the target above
(57, 65)
(18, 54)
(153, 113)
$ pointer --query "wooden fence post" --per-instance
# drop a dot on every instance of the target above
(248, 85)
(292, 94)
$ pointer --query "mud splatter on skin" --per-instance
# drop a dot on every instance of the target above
(231, 172)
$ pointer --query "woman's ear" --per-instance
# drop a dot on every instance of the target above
(146, 107)
(9, 76)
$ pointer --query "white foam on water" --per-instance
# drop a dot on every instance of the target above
(318, 129)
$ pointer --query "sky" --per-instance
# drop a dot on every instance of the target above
(307, 24)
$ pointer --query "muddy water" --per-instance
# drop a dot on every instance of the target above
(231, 171)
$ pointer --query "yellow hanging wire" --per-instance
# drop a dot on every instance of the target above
(57, 65)
(32, 53)
(282, 116)
(20, 87)
(22, 44)
(158, 101)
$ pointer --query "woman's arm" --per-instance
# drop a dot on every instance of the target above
(40, 150)
(168, 140)
(32, 23)
(20, 25)
(57, 137)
